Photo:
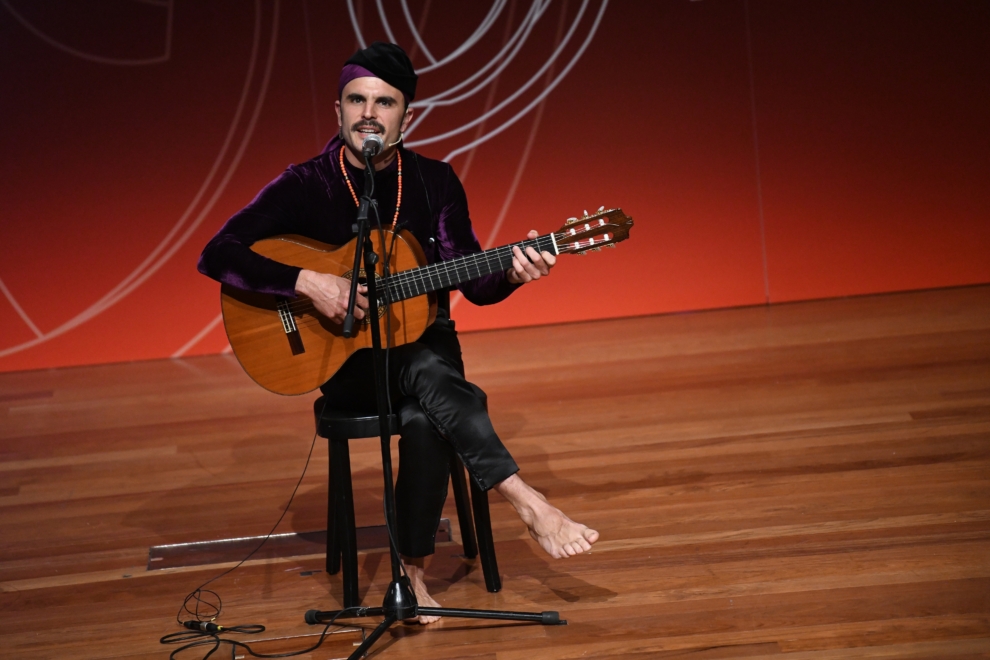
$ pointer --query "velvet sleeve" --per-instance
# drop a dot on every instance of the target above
(456, 238)
(278, 209)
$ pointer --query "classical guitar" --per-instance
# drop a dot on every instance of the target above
(288, 347)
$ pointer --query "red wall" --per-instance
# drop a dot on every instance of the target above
(768, 151)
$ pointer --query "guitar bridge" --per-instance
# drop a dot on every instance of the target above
(290, 327)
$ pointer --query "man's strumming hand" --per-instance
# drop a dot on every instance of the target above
(329, 294)
(529, 266)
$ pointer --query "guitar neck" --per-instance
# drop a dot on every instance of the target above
(446, 274)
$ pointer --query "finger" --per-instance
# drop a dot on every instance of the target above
(519, 263)
(549, 259)
(520, 272)
(537, 261)
(525, 258)
(533, 234)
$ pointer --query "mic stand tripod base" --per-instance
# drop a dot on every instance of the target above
(400, 603)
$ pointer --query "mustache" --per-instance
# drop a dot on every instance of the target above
(368, 123)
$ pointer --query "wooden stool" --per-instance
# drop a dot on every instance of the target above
(339, 427)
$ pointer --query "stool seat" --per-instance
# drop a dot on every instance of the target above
(341, 426)
(344, 425)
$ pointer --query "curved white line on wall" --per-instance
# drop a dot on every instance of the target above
(354, 24)
(199, 335)
(486, 24)
(146, 268)
(480, 31)
(501, 59)
(174, 246)
(20, 311)
(415, 32)
(100, 59)
(149, 261)
(516, 42)
(513, 44)
(529, 83)
(543, 95)
(384, 19)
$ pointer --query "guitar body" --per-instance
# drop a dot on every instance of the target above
(288, 347)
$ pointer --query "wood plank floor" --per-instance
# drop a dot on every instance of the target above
(804, 481)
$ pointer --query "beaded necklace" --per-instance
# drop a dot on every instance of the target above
(398, 198)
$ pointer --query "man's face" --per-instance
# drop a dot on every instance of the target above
(371, 106)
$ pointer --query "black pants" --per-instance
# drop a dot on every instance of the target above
(440, 412)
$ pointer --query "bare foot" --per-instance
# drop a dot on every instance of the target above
(557, 534)
(414, 569)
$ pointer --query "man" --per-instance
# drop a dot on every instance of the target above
(437, 407)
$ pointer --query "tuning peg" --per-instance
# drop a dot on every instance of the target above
(601, 208)
(586, 213)
(597, 249)
(612, 245)
(571, 221)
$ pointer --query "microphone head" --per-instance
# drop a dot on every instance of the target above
(372, 145)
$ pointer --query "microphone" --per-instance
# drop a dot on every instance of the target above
(203, 626)
(372, 146)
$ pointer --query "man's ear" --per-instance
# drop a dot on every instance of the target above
(336, 106)
(405, 119)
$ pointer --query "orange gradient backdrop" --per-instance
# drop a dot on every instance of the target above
(768, 151)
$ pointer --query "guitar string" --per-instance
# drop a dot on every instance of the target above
(415, 279)
(305, 316)
(422, 280)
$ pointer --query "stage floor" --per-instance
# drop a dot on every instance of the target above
(804, 481)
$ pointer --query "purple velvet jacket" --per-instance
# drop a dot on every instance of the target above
(312, 200)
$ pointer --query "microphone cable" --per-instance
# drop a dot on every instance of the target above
(197, 602)
(205, 633)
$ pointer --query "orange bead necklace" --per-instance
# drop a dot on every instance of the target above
(398, 199)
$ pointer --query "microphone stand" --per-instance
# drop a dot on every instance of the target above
(400, 601)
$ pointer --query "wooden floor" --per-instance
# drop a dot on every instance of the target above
(805, 481)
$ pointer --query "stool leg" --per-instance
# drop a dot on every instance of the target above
(486, 544)
(462, 500)
(333, 541)
(344, 518)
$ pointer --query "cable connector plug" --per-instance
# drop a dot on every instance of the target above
(203, 626)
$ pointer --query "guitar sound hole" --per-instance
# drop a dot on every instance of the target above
(364, 280)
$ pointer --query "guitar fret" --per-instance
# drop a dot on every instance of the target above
(446, 274)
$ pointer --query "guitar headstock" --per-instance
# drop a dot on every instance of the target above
(604, 228)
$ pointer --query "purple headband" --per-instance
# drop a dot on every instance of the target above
(352, 71)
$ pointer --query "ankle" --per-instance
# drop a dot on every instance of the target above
(519, 494)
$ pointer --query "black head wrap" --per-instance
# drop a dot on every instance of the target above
(390, 63)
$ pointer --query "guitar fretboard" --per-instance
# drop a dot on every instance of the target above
(426, 279)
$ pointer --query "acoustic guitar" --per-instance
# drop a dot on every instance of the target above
(288, 347)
